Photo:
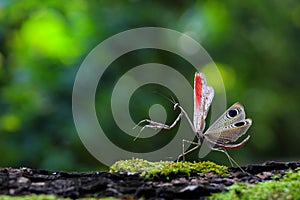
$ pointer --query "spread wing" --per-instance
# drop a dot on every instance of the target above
(229, 126)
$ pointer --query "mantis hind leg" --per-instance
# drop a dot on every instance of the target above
(231, 160)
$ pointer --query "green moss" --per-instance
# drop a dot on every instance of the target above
(288, 187)
(164, 169)
(186, 168)
(136, 165)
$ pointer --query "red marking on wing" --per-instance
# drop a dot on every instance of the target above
(198, 90)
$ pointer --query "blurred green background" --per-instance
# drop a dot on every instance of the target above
(255, 44)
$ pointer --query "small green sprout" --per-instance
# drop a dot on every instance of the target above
(275, 177)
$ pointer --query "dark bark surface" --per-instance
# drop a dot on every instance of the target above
(25, 181)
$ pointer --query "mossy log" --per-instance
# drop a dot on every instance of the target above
(25, 181)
